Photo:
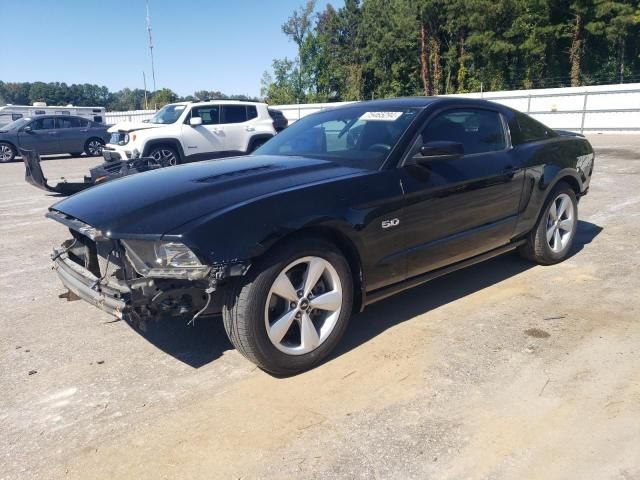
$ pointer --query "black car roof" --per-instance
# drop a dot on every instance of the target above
(422, 102)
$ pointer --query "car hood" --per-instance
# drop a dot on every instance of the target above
(133, 126)
(156, 202)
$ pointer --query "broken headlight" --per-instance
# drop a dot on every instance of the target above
(159, 259)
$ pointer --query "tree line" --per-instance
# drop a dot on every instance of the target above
(384, 48)
(58, 93)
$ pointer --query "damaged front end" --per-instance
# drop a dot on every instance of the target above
(137, 279)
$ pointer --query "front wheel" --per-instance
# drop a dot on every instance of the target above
(7, 152)
(294, 309)
(551, 239)
(165, 156)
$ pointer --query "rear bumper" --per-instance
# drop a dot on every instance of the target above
(86, 286)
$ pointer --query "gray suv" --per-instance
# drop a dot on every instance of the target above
(52, 134)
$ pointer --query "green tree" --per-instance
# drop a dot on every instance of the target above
(162, 97)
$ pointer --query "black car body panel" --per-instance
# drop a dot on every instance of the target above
(102, 173)
(396, 224)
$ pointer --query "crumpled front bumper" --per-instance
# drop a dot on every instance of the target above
(86, 286)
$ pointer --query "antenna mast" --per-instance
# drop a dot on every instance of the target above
(153, 70)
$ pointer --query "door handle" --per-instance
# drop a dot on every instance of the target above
(52, 133)
(249, 129)
(218, 131)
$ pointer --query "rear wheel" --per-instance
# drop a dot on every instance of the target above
(295, 308)
(165, 156)
(7, 152)
(551, 239)
(93, 147)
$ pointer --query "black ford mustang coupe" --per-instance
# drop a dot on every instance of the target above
(344, 208)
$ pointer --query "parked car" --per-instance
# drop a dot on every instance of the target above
(52, 134)
(280, 122)
(191, 131)
(317, 223)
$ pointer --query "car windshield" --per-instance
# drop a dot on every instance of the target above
(359, 136)
(15, 124)
(168, 114)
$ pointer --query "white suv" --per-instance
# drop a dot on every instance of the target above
(192, 131)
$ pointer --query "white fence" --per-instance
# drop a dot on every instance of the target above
(598, 109)
(130, 116)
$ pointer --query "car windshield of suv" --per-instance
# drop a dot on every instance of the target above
(359, 136)
(15, 124)
(168, 114)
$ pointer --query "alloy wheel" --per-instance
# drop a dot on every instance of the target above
(165, 157)
(560, 223)
(303, 305)
(95, 148)
(6, 154)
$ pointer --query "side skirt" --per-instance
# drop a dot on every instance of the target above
(382, 293)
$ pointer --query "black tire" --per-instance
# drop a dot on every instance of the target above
(166, 155)
(538, 249)
(7, 152)
(93, 147)
(245, 308)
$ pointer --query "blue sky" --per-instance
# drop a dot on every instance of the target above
(221, 45)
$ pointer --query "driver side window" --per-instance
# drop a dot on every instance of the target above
(479, 131)
(43, 124)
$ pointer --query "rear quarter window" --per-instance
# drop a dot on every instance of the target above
(525, 129)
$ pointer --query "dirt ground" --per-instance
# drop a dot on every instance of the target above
(504, 370)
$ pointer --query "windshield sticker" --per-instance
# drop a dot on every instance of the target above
(381, 116)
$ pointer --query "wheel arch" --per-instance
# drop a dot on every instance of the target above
(257, 137)
(170, 142)
(571, 181)
(344, 244)
(12, 145)
(93, 137)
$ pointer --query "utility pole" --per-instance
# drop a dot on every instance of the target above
(153, 70)
(144, 81)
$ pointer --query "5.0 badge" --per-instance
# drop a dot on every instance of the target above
(394, 222)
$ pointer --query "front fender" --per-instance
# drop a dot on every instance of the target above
(173, 142)
(249, 230)
(350, 209)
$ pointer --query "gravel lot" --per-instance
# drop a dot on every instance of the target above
(504, 370)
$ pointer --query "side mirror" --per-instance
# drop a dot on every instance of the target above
(27, 129)
(436, 151)
(195, 121)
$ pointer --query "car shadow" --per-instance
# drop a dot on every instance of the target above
(429, 296)
(194, 344)
(199, 344)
